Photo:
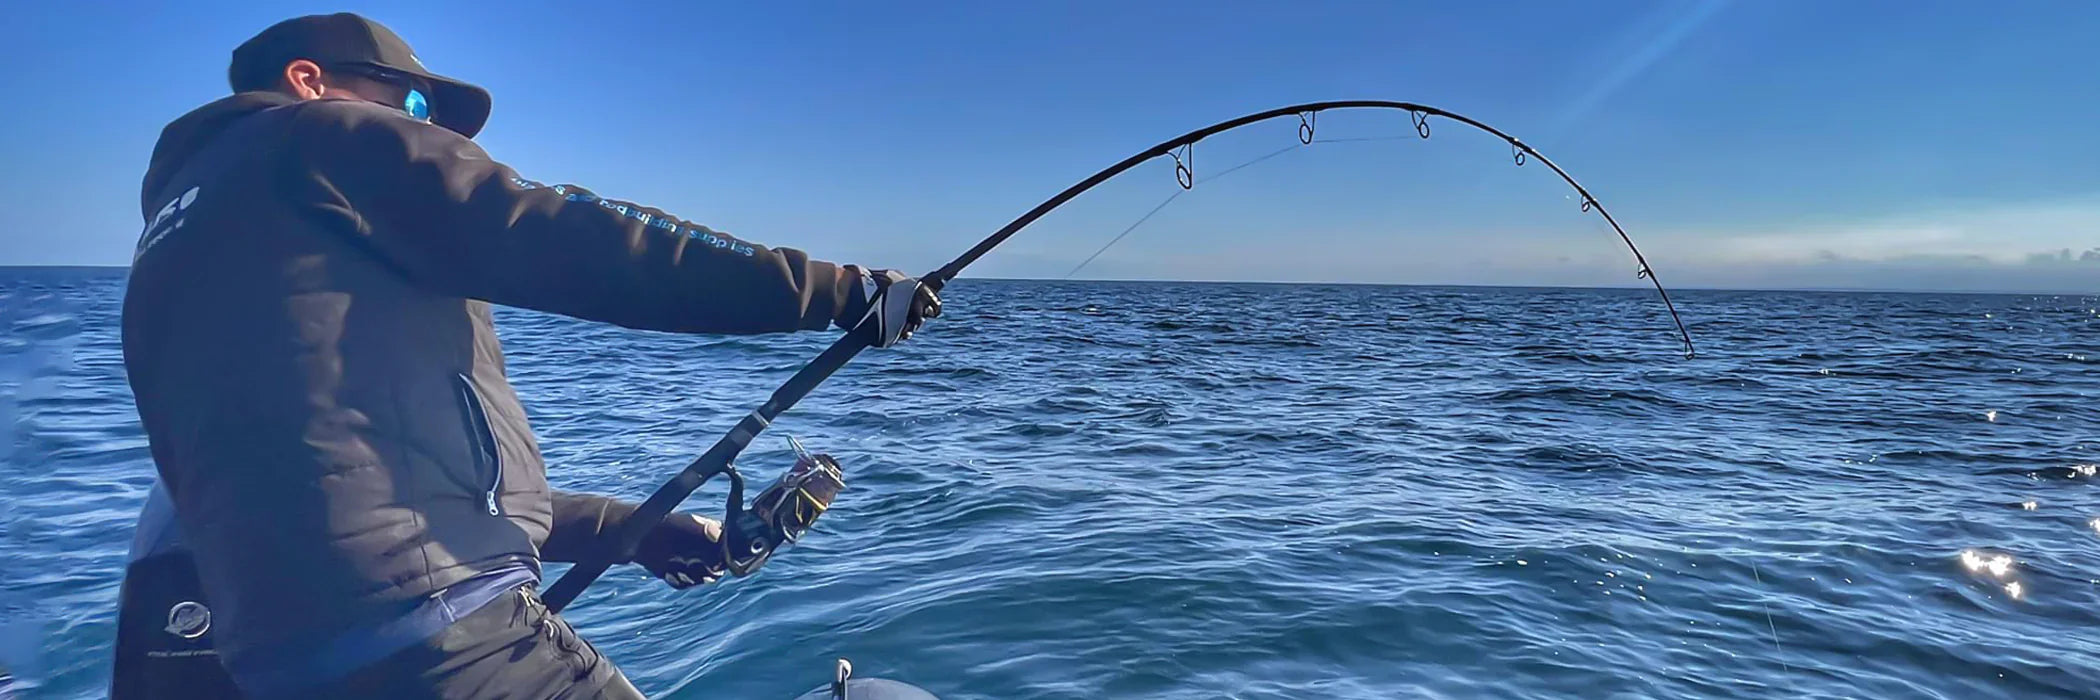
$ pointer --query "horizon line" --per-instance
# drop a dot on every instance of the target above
(1628, 287)
(1572, 287)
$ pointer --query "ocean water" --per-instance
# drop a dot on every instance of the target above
(1084, 490)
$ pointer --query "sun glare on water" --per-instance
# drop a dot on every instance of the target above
(1998, 566)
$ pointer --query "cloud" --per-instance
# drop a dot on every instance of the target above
(2003, 233)
(2030, 246)
(2048, 246)
(2060, 272)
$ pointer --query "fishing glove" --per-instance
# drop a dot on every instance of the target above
(685, 550)
(887, 306)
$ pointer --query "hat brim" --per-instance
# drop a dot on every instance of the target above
(455, 104)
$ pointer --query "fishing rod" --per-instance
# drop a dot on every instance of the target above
(785, 510)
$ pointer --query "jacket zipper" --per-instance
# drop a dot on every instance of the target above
(485, 446)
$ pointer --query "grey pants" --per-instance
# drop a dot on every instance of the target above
(512, 648)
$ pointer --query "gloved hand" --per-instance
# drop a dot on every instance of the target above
(892, 304)
(684, 550)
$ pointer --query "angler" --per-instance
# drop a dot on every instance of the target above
(307, 332)
(328, 410)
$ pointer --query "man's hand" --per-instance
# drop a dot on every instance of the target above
(685, 550)
(888, 307)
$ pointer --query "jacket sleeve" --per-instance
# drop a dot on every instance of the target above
(433, 204)
(583, 523)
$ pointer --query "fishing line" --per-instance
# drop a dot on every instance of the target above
(1361, 139)
(1170, 200)
(1785, 671)
(1133, 227)
(1305, 138)
(1213, 178)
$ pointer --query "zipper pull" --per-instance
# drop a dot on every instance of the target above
(491, 493)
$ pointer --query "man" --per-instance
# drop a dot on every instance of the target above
(307, 332)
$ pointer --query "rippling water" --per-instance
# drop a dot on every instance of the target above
(1077, 490)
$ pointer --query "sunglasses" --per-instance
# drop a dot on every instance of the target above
(415, 100)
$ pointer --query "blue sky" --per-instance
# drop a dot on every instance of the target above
(1744, 144)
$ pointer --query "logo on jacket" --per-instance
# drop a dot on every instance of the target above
(165, 222)
(188, 619)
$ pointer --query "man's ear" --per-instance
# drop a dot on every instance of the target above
(302, 78)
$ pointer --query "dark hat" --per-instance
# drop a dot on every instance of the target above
(348, 38)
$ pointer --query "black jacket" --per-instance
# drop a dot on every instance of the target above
(308, 337)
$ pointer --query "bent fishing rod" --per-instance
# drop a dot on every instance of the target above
(785, 510)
